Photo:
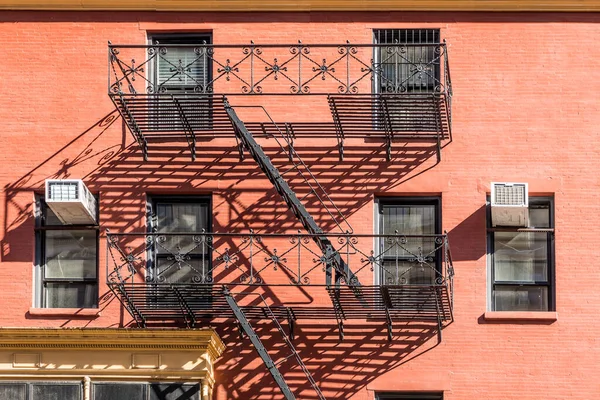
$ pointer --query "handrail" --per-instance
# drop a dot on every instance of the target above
(273, 259)
(297, 68)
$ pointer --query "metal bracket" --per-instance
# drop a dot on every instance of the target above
(388, 128)
(387, 301)
(291, 324)
(185, 308)
(134, 128)
(187, 129)
(338, 126)
(439, 316)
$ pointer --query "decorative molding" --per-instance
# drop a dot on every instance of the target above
(305, 5)
(205, 339)
(26, 360)
(145, 361)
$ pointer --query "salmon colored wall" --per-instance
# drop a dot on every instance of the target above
(525, 108)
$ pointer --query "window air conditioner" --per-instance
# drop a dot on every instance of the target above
(510, 204)
(71, 201)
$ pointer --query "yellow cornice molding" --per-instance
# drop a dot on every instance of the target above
(112, 339)
(306, 5)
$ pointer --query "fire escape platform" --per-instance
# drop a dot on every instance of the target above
(190, 118)
(191, 303)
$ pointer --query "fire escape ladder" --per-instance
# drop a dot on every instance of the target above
(127, 302)
(262, 351)
(331, 257)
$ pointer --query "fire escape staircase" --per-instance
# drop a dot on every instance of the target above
(394, 117)
(331, 258)
(264, 354)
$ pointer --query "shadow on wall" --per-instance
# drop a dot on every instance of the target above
(340, 368)
(117, 171)
(471, 227)
(123, 178)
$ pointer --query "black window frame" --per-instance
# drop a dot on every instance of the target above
(152, 223)
(549, 283)
(41, 229)
(184, 108)
(147, 387)
(435, 201)
(189, 38)
(396, 37)
(29, 385)
(410, 396)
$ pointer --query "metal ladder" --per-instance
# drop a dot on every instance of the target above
(331, 257)
(262, 351)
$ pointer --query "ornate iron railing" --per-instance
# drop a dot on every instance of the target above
(274, 259)
(279, 69)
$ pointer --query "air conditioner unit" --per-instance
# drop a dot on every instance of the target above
(71, 201)
(510, 204)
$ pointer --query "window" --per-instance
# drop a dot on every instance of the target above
(414, 258)
(145, 391)
(41, 390)
(411, 64)
(410, 396)
(99, 391)
(181, 68)
(67, 262)
(180, 258)
(180, 65)
(521, 261)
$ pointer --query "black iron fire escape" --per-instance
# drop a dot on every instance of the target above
(396, 116)
(331, 257)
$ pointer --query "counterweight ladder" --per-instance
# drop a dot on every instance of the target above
(262, 351)
(331, 257)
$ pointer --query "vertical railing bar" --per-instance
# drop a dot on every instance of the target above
(299, 67)
(347, 66)
(299, 255)
(251, 66)
(251, 258)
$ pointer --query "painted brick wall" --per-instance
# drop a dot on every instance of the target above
(525, 108)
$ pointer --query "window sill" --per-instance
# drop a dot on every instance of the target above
(65, 312)
(516, 316)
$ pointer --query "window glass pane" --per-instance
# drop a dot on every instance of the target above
(521, 298)
(119, 391)
(408, 220)
(13, 391)
(71, 295)
(182, 68)
(174, 391)
(70, 254)
(412, 68)
(406, 272)
(181, 217)
(49, 217)
(188, 270)
(539, 215)
(42, 391)
(521, 256)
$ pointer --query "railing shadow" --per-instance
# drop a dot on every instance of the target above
(364, 355)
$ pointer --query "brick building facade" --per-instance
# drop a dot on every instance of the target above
(153, 111)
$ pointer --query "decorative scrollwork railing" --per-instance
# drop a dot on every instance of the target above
(274, 259)
(279, 69)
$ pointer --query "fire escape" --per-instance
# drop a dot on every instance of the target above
(391, 93)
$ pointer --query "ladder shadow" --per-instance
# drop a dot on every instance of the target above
(340, 368)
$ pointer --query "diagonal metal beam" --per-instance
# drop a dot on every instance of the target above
(331, 257)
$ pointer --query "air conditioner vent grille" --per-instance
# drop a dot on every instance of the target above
(510, 195)
(63, 191)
